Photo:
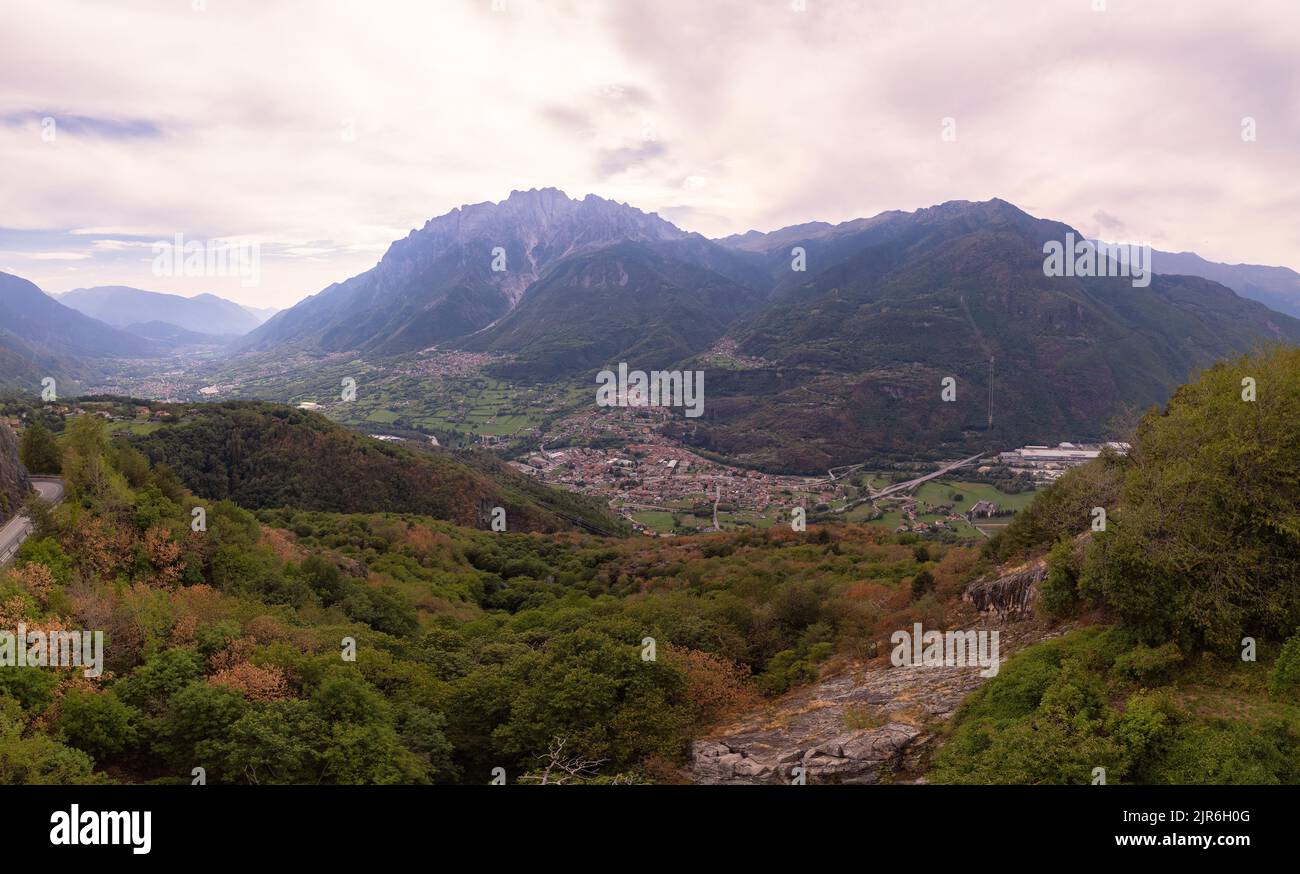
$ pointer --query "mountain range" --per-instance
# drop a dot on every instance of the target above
(72, 335)
(122, 306)
(842, 358)
(1277, 288)
(822, 343)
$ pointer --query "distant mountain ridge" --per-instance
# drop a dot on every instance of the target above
(1278, 288)
(121, 305)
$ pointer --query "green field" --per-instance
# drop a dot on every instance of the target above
(135, 428)
(939, 492)
(656, 520)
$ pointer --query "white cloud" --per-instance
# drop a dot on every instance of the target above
(50, 256)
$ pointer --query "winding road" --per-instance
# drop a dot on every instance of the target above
(15, 531)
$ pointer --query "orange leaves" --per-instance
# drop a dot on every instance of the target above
(281, 543)
(165, 555)
(254, 682)
(715, 687)
(37, 580)
(102, 547)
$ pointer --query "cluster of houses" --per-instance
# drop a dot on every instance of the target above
(979, 510)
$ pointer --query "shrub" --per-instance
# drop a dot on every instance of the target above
(97, 722)
(1059, 591)
(1284, 679)
(1147, 664)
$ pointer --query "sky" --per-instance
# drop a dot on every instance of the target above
(322, 130)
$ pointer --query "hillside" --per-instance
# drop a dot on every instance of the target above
(226, 640)
(264, 455)
(720, 658)
(855, 354)
(1278, 288)
(621, 303)
(35, 317)
(1192, 674)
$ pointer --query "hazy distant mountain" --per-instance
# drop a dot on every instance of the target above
(1276, 287)
(439, 282)
(262, 313)
(34, 316)
(120, 305)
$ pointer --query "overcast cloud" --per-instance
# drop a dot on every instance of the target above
(325, 130)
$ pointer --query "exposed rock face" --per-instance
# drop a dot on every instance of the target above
(14, 484)
(1009, 596)
(439, 281)
(876, 723)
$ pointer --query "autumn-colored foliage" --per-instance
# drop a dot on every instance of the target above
(715, 687)
(255, 682)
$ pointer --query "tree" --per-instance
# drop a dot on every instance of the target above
(1284, 679)
(40, 452)
(922, 584)
(197, 714)
(97, 722)
(559, 767)
(41, 514)
(151, 686)
(277, 743)
(1060, 590)
(132, 464)
(1204, 546)
(46, 551)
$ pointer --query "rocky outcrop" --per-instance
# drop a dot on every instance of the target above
(875, 723)
(14, 484)
(1009, 596)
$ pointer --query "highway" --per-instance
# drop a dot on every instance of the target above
(909, 485)
(15, 531)
(913, 483)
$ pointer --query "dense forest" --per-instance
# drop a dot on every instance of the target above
(226, 648)
(269, 455)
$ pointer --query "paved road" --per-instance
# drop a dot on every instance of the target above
(16, 530)
(909, 485)
(913, 483)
